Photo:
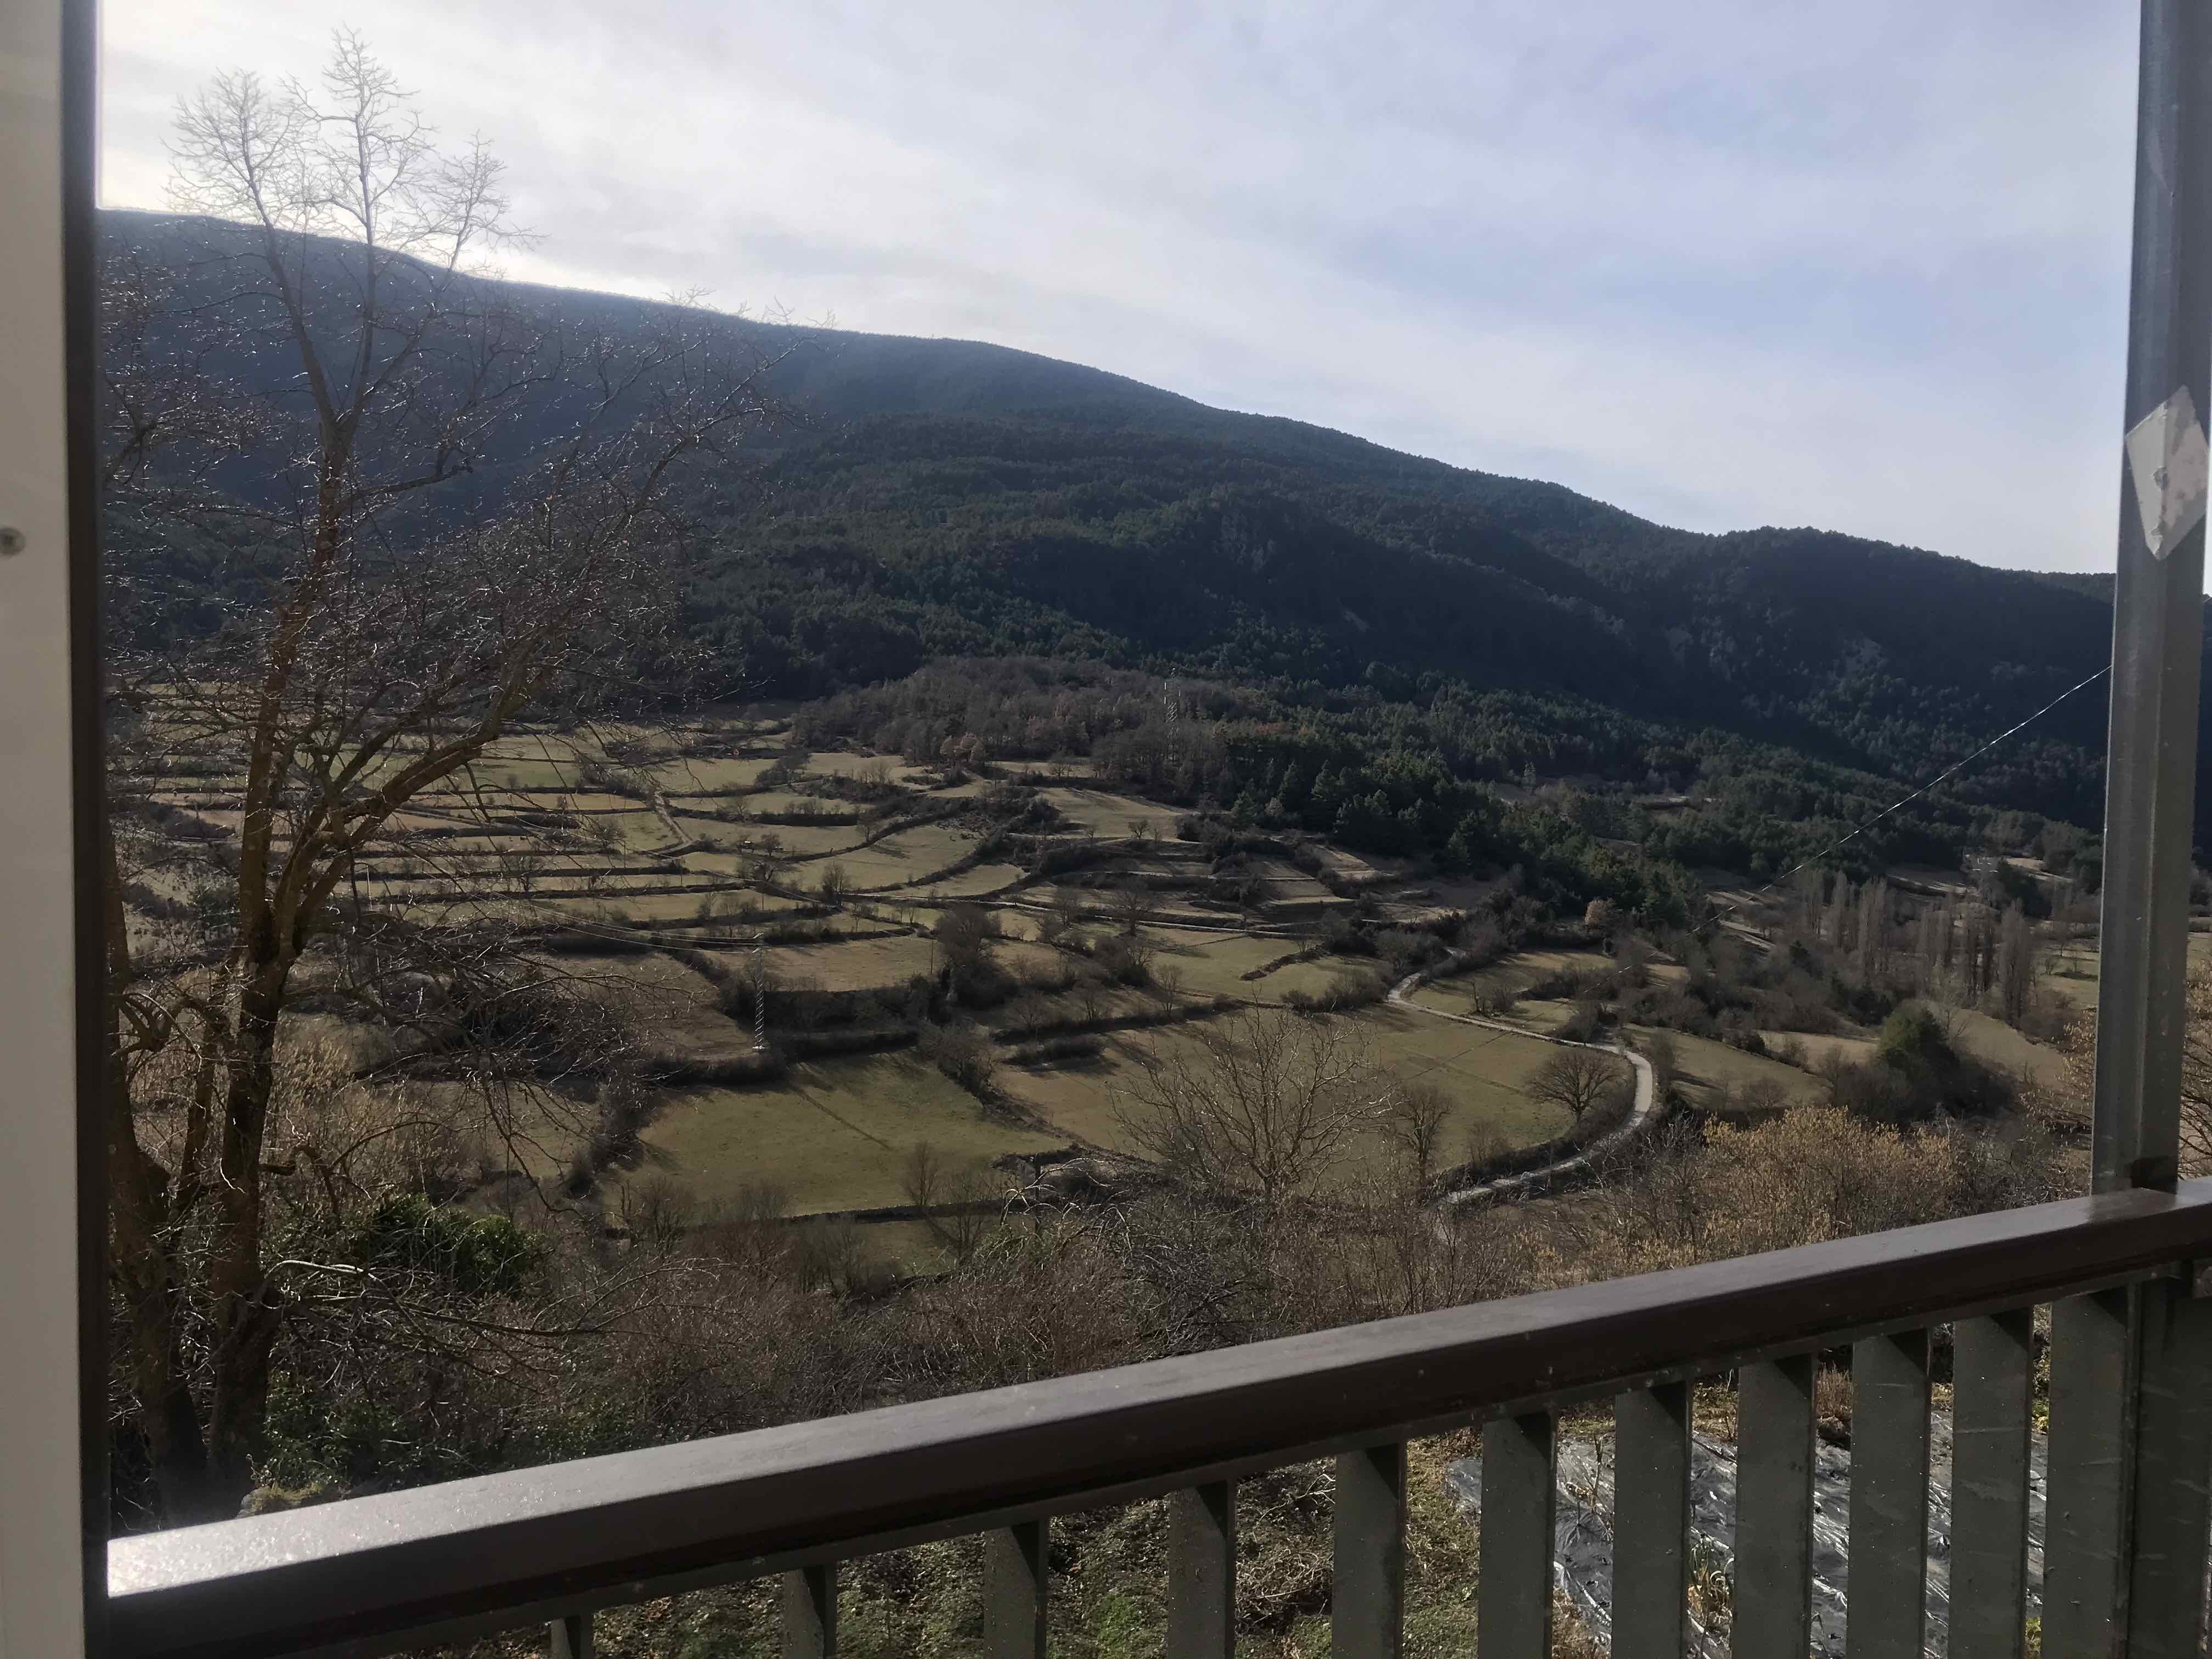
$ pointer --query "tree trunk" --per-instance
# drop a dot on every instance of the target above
(143, 1264)
(245, 1308)
(145, 1280)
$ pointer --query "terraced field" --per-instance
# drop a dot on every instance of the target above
(1483, 1072)
(621, 851)
(830, 1136)
(1706, 1067)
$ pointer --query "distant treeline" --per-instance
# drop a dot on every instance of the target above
(1455, 778)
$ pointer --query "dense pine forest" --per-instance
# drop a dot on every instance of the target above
(1397, 631)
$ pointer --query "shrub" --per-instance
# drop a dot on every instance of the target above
(477, 1255)
(1912, 1038)
(1053, 1049)
(1918, 1075)
(875, 1040)
(1347, 988)
(1405, 950)
(1494, 1001)
(963, 1054)
(1585, 1025)
(1127, 960)
(601, 778)
(1480, 943)
(1341, 935)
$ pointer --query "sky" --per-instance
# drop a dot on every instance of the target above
(1863, 267)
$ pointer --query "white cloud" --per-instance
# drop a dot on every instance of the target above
(1723, 264)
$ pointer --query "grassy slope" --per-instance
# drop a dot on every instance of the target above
(834, 1135)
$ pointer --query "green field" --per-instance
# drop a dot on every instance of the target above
(983, 879)
(1706, 1066)
(833, 1135)
(1109, 816)
(1516, 973)
(2071, 974)
(724, 774)
(1210, 964)
(1820, 1046)
(1481, 1071)
(854, 966)
(1484, 1071)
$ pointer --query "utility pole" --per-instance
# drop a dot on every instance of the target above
(760, 1000)
(2157, 612)
(2130, 1433)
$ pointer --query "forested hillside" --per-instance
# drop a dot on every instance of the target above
(944, 498)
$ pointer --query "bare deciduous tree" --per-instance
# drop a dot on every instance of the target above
(923, 1175)
(382, 637)
(1131, 904)
(2016, 965)
(1574, 1079)
(966, 1198)
(1412, 1114)
(1665, 1055)
(1255, 1105)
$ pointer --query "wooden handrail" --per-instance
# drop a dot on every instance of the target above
(504, 1550)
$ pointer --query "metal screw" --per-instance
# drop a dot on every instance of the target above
(11, 539)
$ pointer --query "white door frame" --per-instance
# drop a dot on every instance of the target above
(49, 760)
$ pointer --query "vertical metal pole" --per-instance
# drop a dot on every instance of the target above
(2157, 612)
(2098, 1455)
(760, 1000)
(51, 1385)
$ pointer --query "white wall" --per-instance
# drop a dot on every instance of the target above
(40, 1563)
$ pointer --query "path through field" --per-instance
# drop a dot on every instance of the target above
(1644, 1114)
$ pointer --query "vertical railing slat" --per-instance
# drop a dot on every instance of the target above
(1367, 1606)
(570, 1637)
(1888, 1581)
(1771, 1598)
(2091, 1426)
(2173, 1461)
(1202, 1572)
(1992, 1375)
(1513, 1618)
(810, 1612)
(1651, 1523)
(1017, 1586)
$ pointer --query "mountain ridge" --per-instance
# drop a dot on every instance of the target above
(950, 497)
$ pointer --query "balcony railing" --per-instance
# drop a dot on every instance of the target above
(553, 1545)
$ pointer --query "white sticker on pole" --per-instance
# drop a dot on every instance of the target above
(2170, 462)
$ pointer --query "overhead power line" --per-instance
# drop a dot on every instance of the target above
(1949, 771)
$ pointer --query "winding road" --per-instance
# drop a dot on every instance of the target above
(1645, 1113)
